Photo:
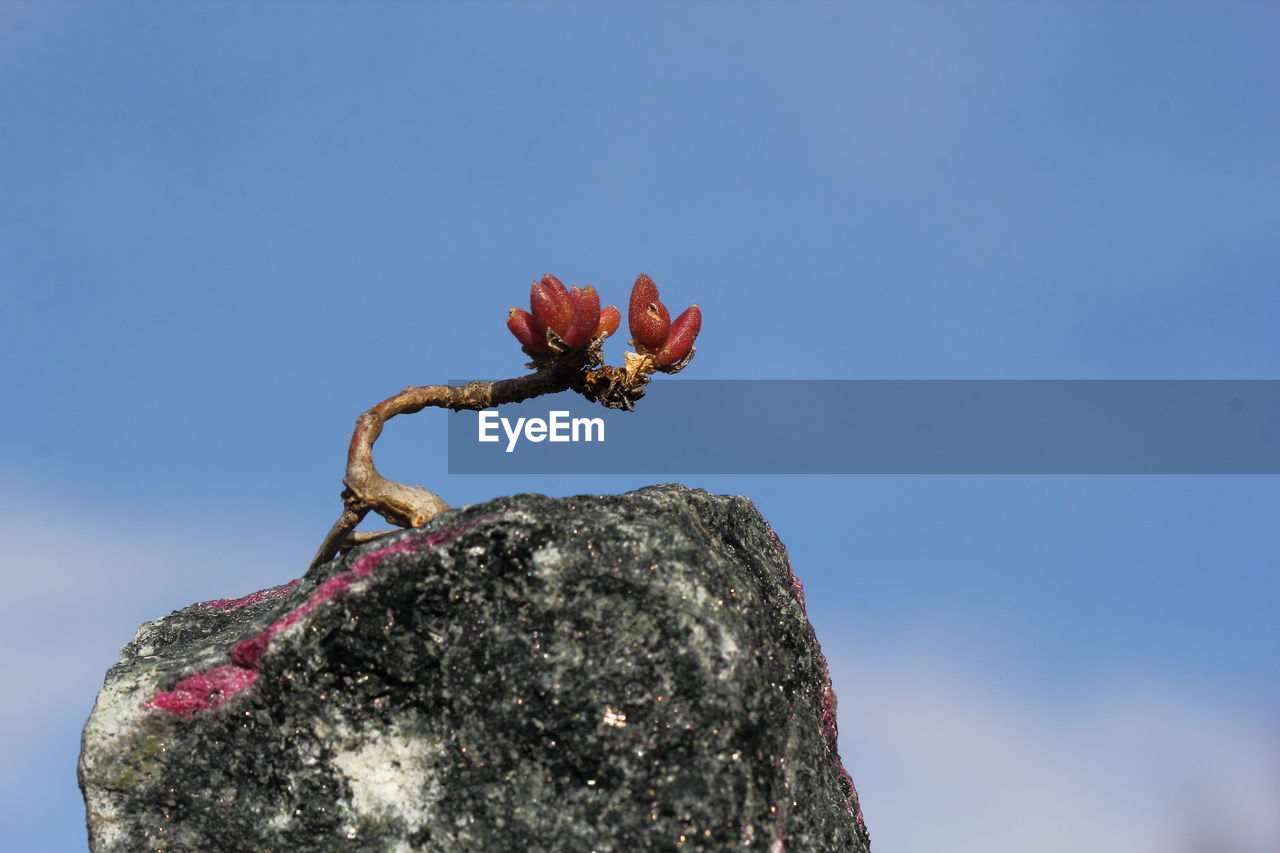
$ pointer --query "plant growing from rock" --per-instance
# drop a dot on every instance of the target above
(562, 333)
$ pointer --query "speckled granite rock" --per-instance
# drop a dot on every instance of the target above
(615, 673)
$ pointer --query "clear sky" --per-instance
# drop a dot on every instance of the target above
(228, 228)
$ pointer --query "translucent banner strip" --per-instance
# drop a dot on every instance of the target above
(885, 427)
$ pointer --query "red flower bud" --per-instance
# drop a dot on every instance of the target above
(643, 292)
(551, 306)
(586, 316)
(680, 341)
(644, 329)
(520, 322)
(650, 329)
(610, 317)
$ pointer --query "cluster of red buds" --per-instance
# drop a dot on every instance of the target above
(653, 332)
(571, 317)
(561, 319)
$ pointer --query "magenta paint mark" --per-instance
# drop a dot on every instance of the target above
(210, 688)
(207, 689)
(827, 703)
(252, 598)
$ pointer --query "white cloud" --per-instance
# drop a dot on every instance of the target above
(963, 757)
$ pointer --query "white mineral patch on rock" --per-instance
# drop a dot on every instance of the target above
(547, 558)
(391, 775)
(721, 666)
(103, 820)
(119, 704)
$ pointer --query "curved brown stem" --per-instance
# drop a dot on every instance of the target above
(354, 511)
(366, 491)
(414, 506)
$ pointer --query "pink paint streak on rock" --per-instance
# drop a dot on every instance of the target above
(251, 598)
(207, 689)
(247, 653)
(210, 688)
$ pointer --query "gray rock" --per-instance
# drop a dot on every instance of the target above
(613, 673)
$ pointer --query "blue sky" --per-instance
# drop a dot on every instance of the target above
(228, 228)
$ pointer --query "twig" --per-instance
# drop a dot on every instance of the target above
(414, 506)
(557, 367)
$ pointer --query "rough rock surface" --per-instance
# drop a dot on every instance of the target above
(613, 673)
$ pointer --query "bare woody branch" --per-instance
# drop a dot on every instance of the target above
(558, 366)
